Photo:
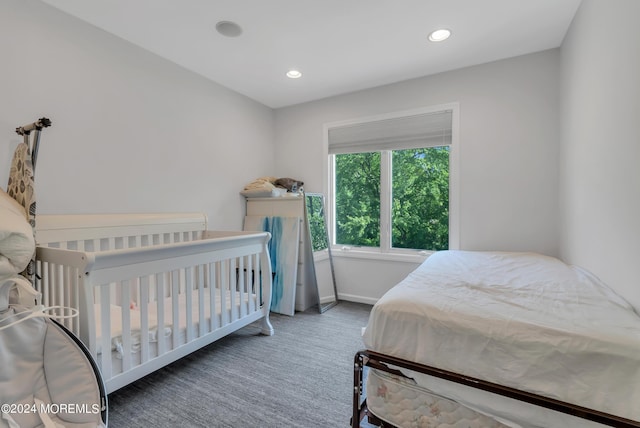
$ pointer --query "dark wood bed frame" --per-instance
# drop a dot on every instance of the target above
(366, 358)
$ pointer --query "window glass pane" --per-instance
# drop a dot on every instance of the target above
(357, 201)
(420, 204)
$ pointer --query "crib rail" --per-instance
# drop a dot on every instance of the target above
(152, 304)
(103, 232)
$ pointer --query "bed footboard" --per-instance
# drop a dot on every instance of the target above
(389, 364)
(141, 308)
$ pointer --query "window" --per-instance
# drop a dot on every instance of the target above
(420, 198)
(357, 199)
(390, 182)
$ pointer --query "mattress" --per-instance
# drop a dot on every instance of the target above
(154, 333)
(403, 403)
(519, 319)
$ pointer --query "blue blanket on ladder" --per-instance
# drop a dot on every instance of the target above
(283, 250)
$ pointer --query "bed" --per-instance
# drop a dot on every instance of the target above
(476, 338)
(150, 288)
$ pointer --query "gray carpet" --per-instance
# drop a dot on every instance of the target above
(300, 377)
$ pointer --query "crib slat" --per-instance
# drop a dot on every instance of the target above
(188, 285)
(255, 281)
(65, 291)
(241, 284)
(48, 284)
(73, 324)
(201, 308)
(67, 296)
(143, 305)
(160, 278)
(250, 283)
(61, 288)
(233, 287)
(175, 312)
(224, 280)
(105, 332)
(213, 283)
(126, 327)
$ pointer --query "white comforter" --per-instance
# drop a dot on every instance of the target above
(518, 319)
(16, 237)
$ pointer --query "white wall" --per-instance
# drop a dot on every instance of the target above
(131, 132)
(600, 173)
(509, 138)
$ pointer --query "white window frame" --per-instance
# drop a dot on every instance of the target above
(385, 251)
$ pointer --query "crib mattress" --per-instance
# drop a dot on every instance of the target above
(521, 320)
(232, 301)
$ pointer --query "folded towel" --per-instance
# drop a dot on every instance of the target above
(16, 237)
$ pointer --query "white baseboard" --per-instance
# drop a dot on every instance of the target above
(357, 299)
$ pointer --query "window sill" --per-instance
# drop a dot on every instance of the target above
(373, 254)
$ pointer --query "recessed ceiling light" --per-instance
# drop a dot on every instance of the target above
(439, 35)
(228, 29)
(294, 74)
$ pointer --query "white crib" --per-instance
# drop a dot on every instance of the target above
(151, 288)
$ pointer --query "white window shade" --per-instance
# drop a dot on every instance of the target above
(398, 133)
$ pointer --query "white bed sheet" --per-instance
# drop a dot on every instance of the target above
(518, 319)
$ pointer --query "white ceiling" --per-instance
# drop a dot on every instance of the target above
(340, 46)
